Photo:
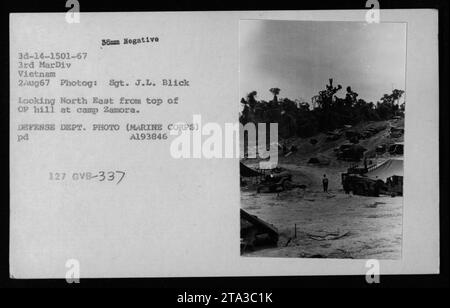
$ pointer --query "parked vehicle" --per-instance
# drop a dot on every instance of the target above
(381, 149)
(361, 185)
(396, 149)
(274, 181)
(350, 152)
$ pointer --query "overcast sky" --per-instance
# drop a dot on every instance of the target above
(300, 56)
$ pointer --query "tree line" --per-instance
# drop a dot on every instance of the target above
(326, 111)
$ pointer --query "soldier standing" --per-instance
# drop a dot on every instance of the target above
(346, 186)
(325, 183)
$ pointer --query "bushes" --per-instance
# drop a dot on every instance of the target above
(330, 112)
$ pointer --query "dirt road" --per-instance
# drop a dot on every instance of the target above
(329, 225)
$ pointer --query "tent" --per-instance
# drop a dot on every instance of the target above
(387, 169)
(255, 232)
(313, 160)
(248, 172)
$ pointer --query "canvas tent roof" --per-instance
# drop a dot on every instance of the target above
(387, 169)
(252, 220)
(267, 165)
(248, 172)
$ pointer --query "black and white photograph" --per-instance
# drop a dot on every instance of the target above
(250, 148)
(337, 93)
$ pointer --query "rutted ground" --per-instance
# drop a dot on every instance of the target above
(370, 227)
(329, 225)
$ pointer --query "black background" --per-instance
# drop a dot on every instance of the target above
(230, 284)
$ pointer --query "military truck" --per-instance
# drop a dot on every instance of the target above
(396, 148)
(274, 181)
(361, 185)
(394, 185)
(381, 149)
(350, 152)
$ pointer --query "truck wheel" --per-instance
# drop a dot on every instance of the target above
(287, 185)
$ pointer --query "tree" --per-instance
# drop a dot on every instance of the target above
(251, 99)
(350, 97)
(396, 95)
(325, 99)
(275, 92)
(392, 98)
(328, 111)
